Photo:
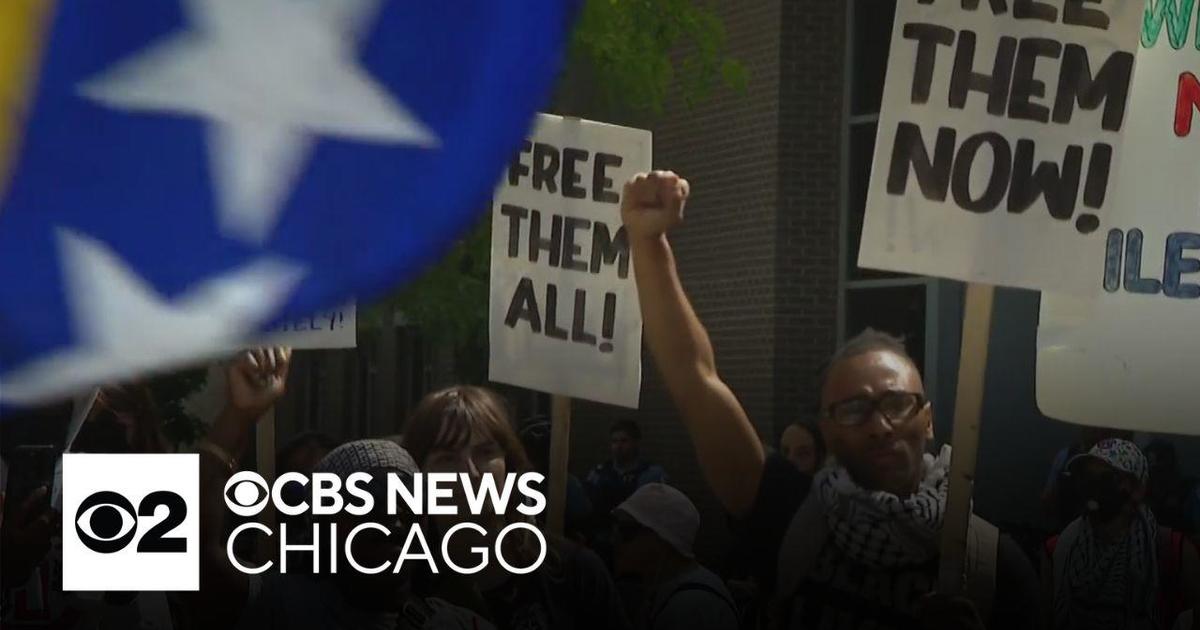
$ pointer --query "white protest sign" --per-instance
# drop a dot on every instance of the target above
(1127, 357)
(331, 328)
(1001, 123)
(564, 315)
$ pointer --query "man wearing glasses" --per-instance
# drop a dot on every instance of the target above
(855, 545)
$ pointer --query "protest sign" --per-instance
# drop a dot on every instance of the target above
(332, 328)
(1126, 357)
(1000, 126)
(81, 407)
(564, 314)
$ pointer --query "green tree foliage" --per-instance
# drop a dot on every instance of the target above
(638, 50)
(449, 302)
(626, 54)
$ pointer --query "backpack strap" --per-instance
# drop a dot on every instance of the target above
(983, 541)
(691, 586)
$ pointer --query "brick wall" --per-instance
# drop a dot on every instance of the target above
(807, 245)
(758, 253)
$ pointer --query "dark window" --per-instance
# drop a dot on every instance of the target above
(862, 148)
(872, 39)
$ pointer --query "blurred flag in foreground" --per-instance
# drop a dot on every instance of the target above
(185, 173)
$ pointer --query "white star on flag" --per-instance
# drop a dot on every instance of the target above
(125, 328)
(269, 76)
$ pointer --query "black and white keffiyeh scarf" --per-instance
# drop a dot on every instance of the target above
(1110, 585)
(879, 529)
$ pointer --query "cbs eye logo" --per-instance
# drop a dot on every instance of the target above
(131, 522)
(108, 523)
(246, 493)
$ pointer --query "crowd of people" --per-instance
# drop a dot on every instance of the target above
(837, 527)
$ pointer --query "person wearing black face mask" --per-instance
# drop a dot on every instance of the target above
(1114, 566)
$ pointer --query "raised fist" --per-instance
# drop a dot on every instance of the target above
(653, 203)
(257, 379)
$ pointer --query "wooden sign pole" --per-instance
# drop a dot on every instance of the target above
(968, 402)
(560, 449)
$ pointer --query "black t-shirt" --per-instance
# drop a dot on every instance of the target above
(841, 593)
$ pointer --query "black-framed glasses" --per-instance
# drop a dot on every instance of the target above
(896, 406)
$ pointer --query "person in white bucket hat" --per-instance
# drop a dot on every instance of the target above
(654, 531)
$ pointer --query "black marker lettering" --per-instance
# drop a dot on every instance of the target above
(928, 38)
(1025, 87)
(1075, 14)
(1110, 86)
(570, 185)
(1034, 10)
(552, 329)
(516, 168)
(514, 214)
(545, 167)
(569, 249)
(1059, 186)
(537, 243)
(580, 320)
(960, 181)
(524, 306)
(606, 251)
(602, 190)
(964, 78)
(910, 154)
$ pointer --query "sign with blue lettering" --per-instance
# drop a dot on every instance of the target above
(1126, 358)
(327, 329)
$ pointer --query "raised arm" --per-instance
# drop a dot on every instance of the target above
(726, 443)
(255, 382)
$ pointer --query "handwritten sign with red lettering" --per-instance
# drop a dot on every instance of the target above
(1127, 358)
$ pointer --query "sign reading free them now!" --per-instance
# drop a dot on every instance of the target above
(1000, 128)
